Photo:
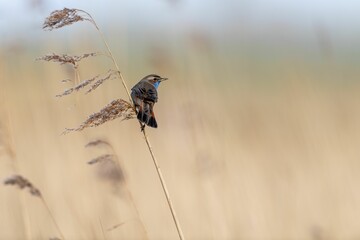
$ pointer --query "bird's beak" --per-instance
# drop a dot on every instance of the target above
(163, 79)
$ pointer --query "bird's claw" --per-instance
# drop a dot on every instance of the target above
(142, 127)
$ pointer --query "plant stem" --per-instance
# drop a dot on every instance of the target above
(110, 55)
(52, 217)
(158, 170)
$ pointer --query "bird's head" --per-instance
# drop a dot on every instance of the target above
(154, 79)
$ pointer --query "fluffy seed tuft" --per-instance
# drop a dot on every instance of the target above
(116, 109)
(98, 142)
(108, 169)
(98, 80)
(21, 182)
(102, 158)
(62, 18)
(66, 59)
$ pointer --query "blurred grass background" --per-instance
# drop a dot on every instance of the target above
(258, 135)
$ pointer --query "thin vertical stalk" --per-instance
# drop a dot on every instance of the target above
(110, 54)
(52, 217)
(158, 170)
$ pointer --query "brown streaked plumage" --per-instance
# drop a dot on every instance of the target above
(144, 95)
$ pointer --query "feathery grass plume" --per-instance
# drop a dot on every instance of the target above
(62, 18)
(98, 142)
(102, 158)
(109, 75)
(65, 58)
(108, 165)
(21, 182)
(108, 168)
(78, 87)
(99, 79)
(7, 147)
(116, 109)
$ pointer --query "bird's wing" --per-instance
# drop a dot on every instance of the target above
(145, 91)
(151, 95)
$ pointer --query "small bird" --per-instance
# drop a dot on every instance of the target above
(144, 95)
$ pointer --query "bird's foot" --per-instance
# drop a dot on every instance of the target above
(142, 127)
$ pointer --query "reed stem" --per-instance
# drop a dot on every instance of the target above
(52, 217)
(158, 170)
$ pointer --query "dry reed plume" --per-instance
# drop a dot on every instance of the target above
(117, 108)
(98, 80)
(23, 183)
(8, 146)
(109, 168)
(102, 158)
(61, 18)
(66, 59)
(98, 142)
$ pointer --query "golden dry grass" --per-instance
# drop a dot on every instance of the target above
(242, 160)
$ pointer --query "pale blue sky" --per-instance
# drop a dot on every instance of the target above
(255, 17)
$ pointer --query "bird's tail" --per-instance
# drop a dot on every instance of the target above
(146, 115)
(152, 121)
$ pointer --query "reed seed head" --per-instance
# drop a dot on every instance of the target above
(98, 142)
(21, 182)
(62, 18)
(102, 158)
(65, 58)
(109, 75)
(108, 169)
(116, 109)
(95, 83)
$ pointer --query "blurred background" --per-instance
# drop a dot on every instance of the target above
(258, 132)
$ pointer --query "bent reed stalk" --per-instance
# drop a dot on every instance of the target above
(157, 166)
(65, 17)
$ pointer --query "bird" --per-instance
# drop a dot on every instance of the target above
(144, 95)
